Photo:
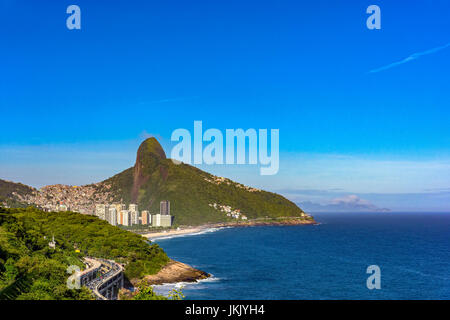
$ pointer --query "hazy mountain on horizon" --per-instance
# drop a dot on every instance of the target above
(350, 203)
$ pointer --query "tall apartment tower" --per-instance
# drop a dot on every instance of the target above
(166, 220)
(145, 217)
(161, 220)
(134, 217)
(134, 213)
(119, 207)
(113, 216)
(126, 217)
(107, 215)
(100, 210)
(156, 220)
(164, 207)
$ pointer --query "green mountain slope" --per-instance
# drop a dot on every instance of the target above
(9, 190)
(29, 269)
(191, 192)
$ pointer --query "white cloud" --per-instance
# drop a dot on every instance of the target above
(350, 199)
(412, 57)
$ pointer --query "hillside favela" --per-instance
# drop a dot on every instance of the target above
(107, 229)
(73, 198)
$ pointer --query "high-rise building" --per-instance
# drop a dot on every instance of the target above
(107, 215)
(134, 213)
(120, 218)
(166, 220)
(145, 217)
(161, 220)
(156, 220)
(126, 218)
(112, 216)
(164, 207)
(134, 217)
(119, 207)
(100, 210)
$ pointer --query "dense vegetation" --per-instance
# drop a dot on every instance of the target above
(7, 188)
(155, 178)
(144, 291)
(29, 269)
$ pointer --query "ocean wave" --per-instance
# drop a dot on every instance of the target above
(208, 230)
(165, 288)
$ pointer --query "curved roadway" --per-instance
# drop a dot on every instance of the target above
(108, 269)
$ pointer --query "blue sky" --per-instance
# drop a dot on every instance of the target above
(75, 104)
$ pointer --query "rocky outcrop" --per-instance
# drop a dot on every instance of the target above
(175, 272)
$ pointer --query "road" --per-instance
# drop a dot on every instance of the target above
(104, 270)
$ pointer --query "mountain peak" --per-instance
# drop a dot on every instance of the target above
(149, 157)
(150, 147)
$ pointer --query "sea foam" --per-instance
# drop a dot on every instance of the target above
(208, 230)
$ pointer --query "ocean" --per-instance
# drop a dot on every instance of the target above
(325, 261)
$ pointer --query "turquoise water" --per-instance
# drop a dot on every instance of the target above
(326, 261)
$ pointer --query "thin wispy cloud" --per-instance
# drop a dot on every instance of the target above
(412, 57)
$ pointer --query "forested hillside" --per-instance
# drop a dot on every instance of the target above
(29, 269)
(9, 190)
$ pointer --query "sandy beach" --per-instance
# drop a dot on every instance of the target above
(175, 232)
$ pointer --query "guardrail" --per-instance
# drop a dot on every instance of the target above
(115, 273)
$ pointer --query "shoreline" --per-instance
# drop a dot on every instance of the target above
(193, 230)
(177, 272)
(171, 233)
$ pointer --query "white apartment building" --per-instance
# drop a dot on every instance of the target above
(134, 217)
(161, 220)
(125, 217)
(100, 210)
(119, 207)
(112, 216)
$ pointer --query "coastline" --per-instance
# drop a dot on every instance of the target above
(177, 272)
(175, 232)
(193, 230)
(173, 273)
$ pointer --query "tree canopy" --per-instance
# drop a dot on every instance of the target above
(30, 269)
